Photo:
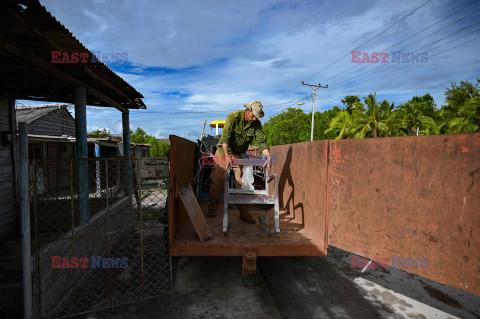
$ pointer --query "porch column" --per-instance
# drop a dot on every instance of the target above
(127, 151)
(80, 97)
(25, 221)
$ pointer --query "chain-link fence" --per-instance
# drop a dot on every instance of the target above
(99, 234)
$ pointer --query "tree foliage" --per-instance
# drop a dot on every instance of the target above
(367, 117)
(103, 132)
(294, 126)
(158, 149)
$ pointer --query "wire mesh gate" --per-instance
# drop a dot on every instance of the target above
(99, 234)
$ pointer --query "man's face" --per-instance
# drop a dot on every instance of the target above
(249, 117)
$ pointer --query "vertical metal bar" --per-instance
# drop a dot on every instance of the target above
(313, 113)
(72, 213)
(267, 176)
(59, 230)
(25, 222)
(141, 227)
(225, 200)
(80, 97)
(126, 151)
(108, 235)
(276, 207)
(38, 282)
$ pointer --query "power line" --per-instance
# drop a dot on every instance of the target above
(367, 65)
(358, 47)
(295, 102)
(410, 36)
(439, 30)
(382, 75)
(382, 65)
(369, 40)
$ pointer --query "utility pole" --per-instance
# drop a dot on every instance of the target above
(314, 87)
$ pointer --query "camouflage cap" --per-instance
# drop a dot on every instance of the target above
(256, 107)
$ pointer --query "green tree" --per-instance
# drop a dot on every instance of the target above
(349, 101)
(290, 126)
(466, 118)
(99, 133)
(412, 120)
(158, 148)
(372, 119)
(322, 122)
(342, 125)
(461, 113)
(139, 136)
(374, 122)
(458, 94)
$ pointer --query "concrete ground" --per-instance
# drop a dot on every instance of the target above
(300, 287)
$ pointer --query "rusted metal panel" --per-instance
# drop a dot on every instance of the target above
(410, 197)
(302, 223)
(182, 159)
(302, 187)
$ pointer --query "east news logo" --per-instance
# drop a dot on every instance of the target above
(85, 262)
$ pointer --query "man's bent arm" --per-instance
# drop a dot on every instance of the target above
(226, 158)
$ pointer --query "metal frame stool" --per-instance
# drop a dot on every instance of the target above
(247, 195)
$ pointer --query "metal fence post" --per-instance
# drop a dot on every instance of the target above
(25, 221)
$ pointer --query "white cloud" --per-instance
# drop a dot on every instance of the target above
(217, 55)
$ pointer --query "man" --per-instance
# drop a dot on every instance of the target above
(241, 128)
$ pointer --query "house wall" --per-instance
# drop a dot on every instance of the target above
(56, 123)
(8, 211)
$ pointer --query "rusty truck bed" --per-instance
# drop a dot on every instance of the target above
(293, 240)
(390, 199)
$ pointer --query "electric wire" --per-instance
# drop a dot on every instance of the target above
(358, 47)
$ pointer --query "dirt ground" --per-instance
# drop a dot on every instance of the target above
(300, 287)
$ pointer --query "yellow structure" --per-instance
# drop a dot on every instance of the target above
(216, 125)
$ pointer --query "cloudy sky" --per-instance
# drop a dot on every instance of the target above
(197, 60)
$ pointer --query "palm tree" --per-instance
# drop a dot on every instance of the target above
(343, 124)
(467, 117)
(349, 101)
(374, 122)
(359, 121)
(412, 118)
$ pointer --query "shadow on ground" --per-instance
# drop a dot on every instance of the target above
(297, 287)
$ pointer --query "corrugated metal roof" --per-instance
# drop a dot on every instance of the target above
(28, 35)
(28, 114)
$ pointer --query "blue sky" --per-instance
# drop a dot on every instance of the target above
(202, 59)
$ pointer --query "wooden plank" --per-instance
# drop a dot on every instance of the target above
(8, 184)
(6, 161)
(7, 170)
(5, 153)
(195, 212)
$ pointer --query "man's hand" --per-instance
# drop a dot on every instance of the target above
(227, 160)
(268, 162)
